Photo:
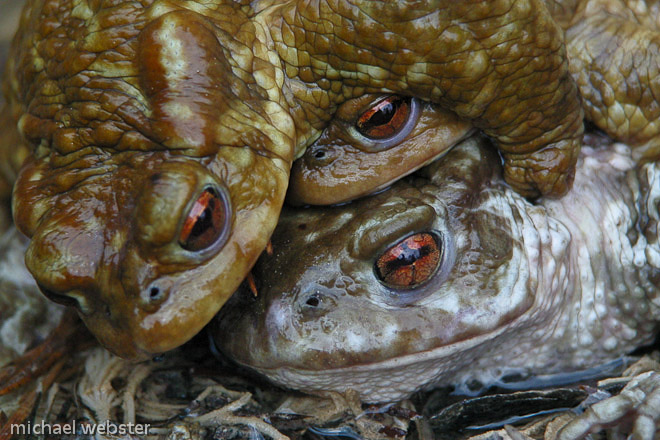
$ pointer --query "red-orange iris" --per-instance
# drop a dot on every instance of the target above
(385, 118)
(410, 262)
(205, 222)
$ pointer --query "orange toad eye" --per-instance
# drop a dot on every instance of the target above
(386, 118)
(207, 222)
(410, 262)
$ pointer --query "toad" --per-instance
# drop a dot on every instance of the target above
(160, 133)
(451, 277)
(372, 141)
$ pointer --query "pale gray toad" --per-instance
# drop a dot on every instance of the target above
(453, 276)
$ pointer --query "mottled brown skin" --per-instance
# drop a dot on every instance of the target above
(339, 167)
(131, 107)
(511, 288)
(121, 150)
(613, 51)
(497, 58)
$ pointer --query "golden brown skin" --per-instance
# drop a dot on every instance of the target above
(339, 167)
(132, 108)
(501, 65)
(129, 119)
(614, 52)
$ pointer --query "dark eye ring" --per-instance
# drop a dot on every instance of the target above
(411, 262)
(386, 123)
(208, 221)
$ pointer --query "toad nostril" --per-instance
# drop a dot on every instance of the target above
(313, 301)
(152, 297)
(317, 301)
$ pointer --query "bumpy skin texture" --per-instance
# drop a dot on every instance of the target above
(614, 52)
(496, 59)
(613, 56)
(520, 288)
(342, 164)
(131, 108)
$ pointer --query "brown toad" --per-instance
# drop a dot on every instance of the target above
(160, 133)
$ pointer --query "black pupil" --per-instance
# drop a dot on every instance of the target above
(384, 115)
(204, 221)
(407, 257)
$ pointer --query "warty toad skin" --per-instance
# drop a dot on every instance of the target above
(453, 276)
(158, 135)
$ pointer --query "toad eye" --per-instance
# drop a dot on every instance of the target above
(410, 262)
(207, 222)
(388, 118)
